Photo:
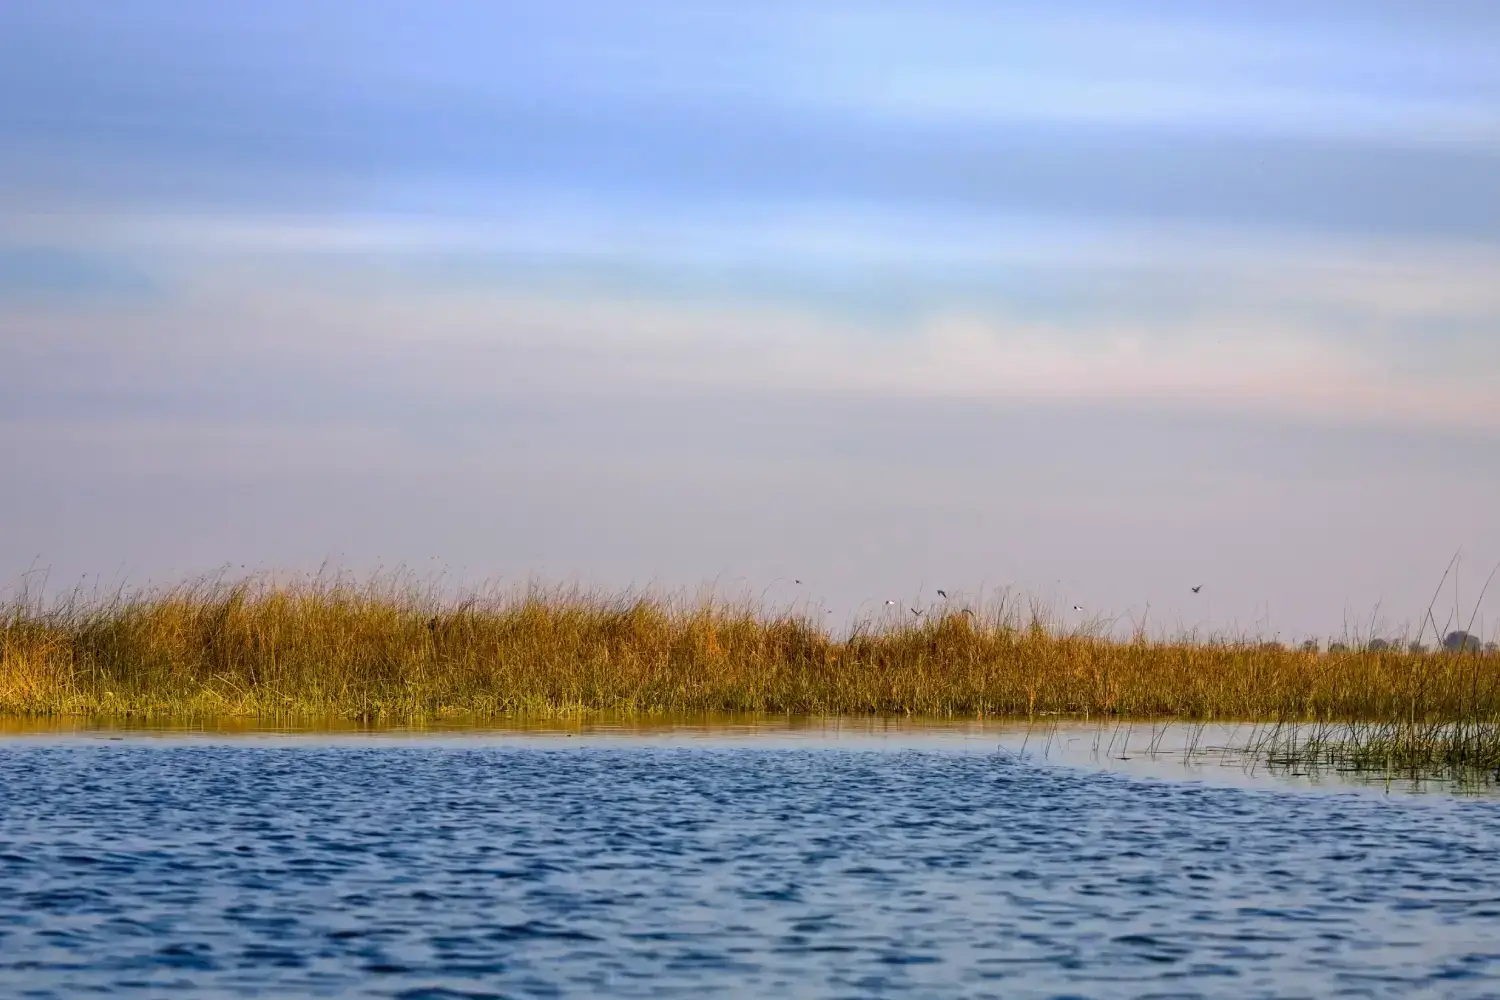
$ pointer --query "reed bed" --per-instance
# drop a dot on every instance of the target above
(399, 654)
(1464, 751)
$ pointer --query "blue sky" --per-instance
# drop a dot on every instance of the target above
(1139, 291)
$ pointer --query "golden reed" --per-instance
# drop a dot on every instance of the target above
(388, 653)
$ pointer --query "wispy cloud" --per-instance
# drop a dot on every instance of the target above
(1369, 335)
(237, 239)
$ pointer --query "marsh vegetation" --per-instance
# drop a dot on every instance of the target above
(394, 651)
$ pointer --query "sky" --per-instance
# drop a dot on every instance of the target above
(1097, 302)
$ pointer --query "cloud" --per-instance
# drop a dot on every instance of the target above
(1292, 216)
(1368, 337)
(1106, 295)
(49, 274)
(1375, 125)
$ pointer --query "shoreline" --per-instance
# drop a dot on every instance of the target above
(1252, 754)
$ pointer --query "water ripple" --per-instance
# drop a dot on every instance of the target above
(527, 871)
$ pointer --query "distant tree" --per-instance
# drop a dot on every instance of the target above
(1416, 647)
(1378, 645)
(1337, 647)
(1310, 646)
(1460, 640)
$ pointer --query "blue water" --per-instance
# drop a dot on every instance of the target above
(551, 869)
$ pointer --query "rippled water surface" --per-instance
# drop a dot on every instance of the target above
(553, 868)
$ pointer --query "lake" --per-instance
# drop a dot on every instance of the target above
(823, 861)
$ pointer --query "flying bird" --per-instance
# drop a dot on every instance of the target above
(943, 594)
(917, 613)
(1198, 588)
(1078, 607)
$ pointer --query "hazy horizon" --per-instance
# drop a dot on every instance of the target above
(1103, 304)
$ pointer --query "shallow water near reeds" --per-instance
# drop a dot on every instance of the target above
(837, 858)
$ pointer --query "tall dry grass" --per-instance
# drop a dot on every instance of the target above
(397, 653)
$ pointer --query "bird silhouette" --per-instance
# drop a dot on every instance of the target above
(889, 603)
(917, 613)
(1078, 607)
(943, 594)
(1198, 588)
